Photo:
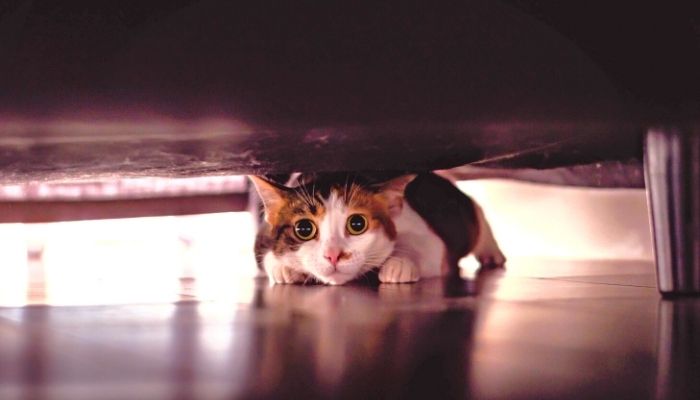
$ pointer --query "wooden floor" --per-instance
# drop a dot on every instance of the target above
(542, 330)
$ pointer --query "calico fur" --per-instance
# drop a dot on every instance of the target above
(419, 226)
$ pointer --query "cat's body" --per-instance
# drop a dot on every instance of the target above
(334, 228)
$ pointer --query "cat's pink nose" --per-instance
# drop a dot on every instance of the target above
(333, 255)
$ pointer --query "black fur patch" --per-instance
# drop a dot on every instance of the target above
(449, 212)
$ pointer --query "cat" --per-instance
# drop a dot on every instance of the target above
(334, 228)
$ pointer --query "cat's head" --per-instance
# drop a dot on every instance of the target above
(334, 230)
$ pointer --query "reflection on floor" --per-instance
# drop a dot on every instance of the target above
(542, 330)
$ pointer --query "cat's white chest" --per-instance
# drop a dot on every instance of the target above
(418, 242)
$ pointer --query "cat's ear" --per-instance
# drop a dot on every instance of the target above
(272, 195)
(393, 193)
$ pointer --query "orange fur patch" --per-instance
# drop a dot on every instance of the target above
(374, 207)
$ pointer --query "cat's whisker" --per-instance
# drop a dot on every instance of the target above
(345, 189)
(300, 189)
(376, 262)
(302, 194)
(353, 189)
(374, 256)
(308, 278)
(298, 192)
(399, 253)
(308, 195)
(365, 276)
(402, 251)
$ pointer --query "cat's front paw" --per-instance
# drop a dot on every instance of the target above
(399, 270)
(283, 274)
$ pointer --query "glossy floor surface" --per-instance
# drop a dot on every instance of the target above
(541, 330)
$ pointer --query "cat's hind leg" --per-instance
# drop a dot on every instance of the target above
(486, 249)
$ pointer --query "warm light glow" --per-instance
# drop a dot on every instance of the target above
(128, 260)
(211, 256)
(14, 273)
(547, 221)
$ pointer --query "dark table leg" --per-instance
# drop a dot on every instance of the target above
(678, 355)
(672, 173)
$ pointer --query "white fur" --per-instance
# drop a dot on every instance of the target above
(363, 252)
(418, 243)
(282, 269)
(417, 251)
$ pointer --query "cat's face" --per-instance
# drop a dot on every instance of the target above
(334, 232)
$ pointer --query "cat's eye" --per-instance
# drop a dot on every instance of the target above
(305, 229)
(357, 224)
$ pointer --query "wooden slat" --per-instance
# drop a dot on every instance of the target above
(74, 210)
